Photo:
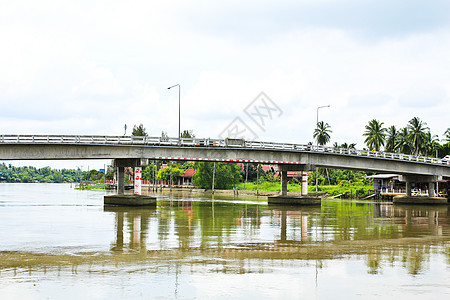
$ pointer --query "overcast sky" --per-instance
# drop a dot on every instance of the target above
(90, 67)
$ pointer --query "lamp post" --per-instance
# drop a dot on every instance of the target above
(317, 144)
(179, 110)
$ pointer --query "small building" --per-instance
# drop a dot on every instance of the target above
(391, 185)
(186, 177)
(387, 182)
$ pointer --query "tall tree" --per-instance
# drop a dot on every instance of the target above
(375, 135)
(447, 135)
(430, 144)
(226, 175)
(417, 134)
(391, 139)
(139, 130)
(322, 133)
(402, 143)
(187, 134)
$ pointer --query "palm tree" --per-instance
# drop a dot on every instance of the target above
(391, 139)
(417, 134)
(375, 135)
(402, 143)
(430, 145)
(322, 133)
(348, 146)
(447, 135)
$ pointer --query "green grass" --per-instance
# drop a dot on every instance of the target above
(92, 186)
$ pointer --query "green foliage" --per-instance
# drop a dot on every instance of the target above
(270, 177)
(322, 133)
(391, 140)
(31, 174)
(417, 131)
(169, 173)
(250, 171)
(375, 135)
(93, 175)
(139, 130)
(226, 175)
(402, 142)
(447, 135)
(187, 134)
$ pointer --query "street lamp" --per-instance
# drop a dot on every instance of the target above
(317, 144)
(179, 110)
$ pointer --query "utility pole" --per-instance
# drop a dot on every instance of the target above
(257, 180)
(214, 175)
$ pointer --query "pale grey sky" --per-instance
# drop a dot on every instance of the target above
(89, 67)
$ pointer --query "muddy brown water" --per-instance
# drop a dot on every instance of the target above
(57, 242)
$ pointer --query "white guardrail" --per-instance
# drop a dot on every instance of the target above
(195, 142)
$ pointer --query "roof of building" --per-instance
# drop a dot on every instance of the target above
(189, 173)
(383, 176)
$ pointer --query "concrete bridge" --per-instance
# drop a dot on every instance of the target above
(133, 151)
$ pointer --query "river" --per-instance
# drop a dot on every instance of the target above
(60, 243)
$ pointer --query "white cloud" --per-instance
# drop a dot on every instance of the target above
(91, 67)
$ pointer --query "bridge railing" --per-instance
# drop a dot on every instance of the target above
(195, 142)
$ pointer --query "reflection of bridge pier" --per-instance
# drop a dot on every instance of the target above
(299, 215)
(136, 221)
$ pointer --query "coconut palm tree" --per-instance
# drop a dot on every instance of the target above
(348, 146)
(447, 135)
(375, 135)
(322, 133)
(402, 143)
(391, 139)
(417, 134)
(430, 144)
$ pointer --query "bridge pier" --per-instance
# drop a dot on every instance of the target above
(410, 199)
(120, 180)
(286, 199)
(120, 198)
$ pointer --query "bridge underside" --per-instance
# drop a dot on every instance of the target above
(287, 160)
(294, 160)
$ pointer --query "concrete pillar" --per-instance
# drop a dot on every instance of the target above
(408, 188)
(304, 183)
(284, 183)
(431, 189)
(120, 180)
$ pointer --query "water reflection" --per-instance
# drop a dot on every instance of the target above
(248, 237)
(137, 221)
(381, 233)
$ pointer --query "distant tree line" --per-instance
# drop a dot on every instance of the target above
(9, 173)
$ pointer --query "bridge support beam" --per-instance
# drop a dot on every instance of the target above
(431, 192)
(129, 200)
(408, 189)
(286, 199)
(120, 180)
